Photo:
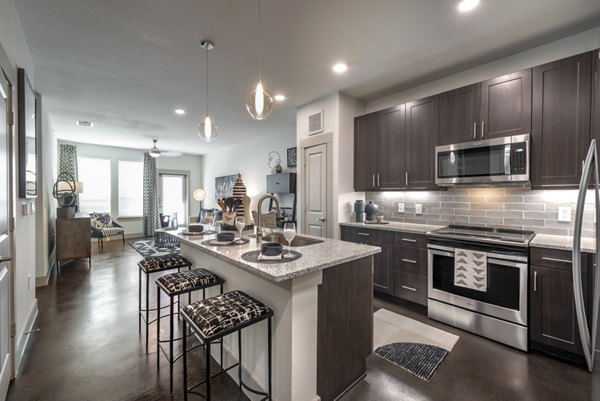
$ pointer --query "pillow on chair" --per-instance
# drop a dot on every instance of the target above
(103, 219)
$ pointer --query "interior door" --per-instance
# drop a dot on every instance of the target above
(5, 257)
(173, 196)
(315, 215)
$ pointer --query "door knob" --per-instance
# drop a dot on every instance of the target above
(320, 218)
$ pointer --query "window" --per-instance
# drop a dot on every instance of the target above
(131, 188)
(95, 175)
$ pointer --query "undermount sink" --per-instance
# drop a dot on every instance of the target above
(296, 242)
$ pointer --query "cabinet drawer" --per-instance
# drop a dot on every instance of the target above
(359, 234)
(410, 260)
(410, 287)
(557, 259)
(410, 240)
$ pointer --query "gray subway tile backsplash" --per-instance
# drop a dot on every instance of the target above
(517, 207)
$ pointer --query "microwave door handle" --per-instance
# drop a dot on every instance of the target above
(507, 160)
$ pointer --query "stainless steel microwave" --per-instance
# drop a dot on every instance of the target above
(492, 161)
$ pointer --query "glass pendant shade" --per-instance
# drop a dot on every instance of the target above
(259, 103)
(207, 130)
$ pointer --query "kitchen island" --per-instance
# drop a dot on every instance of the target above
(323, 313)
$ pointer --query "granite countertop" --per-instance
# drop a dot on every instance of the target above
(562, 242)
(314, 258)
(395, 226)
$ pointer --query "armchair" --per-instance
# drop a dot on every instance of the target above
(106, 229)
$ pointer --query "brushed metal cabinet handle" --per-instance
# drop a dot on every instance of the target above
(556, 260)
(409, 261)
(406, 178)
(409, 288)
(373, 179)
(378, 184)
(5, 259)
(475, 130)
(482, 129)
(364, 234)
(535, 281)
(408, 240)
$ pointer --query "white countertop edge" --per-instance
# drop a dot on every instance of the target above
(252, 268)
(413, 228)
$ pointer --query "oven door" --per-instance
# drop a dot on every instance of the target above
(506, 294)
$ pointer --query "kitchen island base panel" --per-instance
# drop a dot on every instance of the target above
(298, 326)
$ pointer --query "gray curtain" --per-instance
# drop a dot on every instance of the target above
(150, 196)
(67, 163)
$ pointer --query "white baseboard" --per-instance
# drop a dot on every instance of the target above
(23, 338)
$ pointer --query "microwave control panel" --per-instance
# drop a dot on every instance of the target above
(518, 158)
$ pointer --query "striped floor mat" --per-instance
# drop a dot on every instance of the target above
(422, 360)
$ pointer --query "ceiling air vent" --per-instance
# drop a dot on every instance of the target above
(82, 123)
(315, 123)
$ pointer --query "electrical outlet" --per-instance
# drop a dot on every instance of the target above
(418, 208)
(564, 213)
(400, 207)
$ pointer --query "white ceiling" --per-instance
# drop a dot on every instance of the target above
(125, 65)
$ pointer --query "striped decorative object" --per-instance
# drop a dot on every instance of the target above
(239, 192)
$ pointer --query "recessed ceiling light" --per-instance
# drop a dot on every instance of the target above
(340, 68)
(179, 112)
(82, 123)
(467, 5)
(280, 98)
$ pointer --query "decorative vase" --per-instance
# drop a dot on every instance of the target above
(371, 210)
(359, 210)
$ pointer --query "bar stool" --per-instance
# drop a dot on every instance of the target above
(155, 264)
(174, 285)
(214, 318)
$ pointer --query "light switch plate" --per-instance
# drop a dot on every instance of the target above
(564, 213)
(418, 208)
(400, 207)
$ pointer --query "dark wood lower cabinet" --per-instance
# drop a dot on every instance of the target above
(553, 322)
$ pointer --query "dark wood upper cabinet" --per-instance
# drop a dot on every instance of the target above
(391, 149)
(459, 115)
(506, 105)
(366, 138)
(421, 140)
(561, 121)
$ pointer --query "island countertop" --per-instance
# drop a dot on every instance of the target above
(315, 257)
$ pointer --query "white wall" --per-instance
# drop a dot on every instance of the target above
(250, 160)
(190, 164)
(14, 53)
(569, 46)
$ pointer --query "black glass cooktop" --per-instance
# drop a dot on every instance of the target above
(506, 235)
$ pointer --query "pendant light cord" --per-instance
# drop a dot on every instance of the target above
(206, 81)
(258, 42)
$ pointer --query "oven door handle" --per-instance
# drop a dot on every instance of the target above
(440, 253)
(507, 263)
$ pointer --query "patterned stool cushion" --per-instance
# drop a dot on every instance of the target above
(188, 280)
(225, 312)
(164, 262)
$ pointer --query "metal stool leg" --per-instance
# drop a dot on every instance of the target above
(185, 392)
(171, 329)
(207, 346)
(239, 358)
(140, 301)
(147, 307)
(269, 362)
(158, 328)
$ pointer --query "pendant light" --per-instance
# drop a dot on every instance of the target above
(154, 151)
(258, 102)
(206, 129)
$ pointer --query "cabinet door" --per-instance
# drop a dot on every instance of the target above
(421, 139)
(561, 121)
(459, 115)
(596, 98)
(506, 105)
(366, 139)
(382, 269)
(553, 321)
(391, 149)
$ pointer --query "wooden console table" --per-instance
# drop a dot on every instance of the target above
(73, 240)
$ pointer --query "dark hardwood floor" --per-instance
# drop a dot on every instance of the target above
(88, 348)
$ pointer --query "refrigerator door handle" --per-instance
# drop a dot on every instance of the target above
(588, 342)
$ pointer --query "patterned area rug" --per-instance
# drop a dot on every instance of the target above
(146, 248)
(414, 346)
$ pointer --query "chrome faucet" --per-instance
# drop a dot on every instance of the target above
(259, 232)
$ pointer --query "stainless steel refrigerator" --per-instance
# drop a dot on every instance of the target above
(589, 336)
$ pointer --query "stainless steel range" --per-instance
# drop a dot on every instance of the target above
(478, 280)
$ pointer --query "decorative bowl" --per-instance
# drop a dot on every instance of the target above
(195, 228)
(223, 237)
(271, 249)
